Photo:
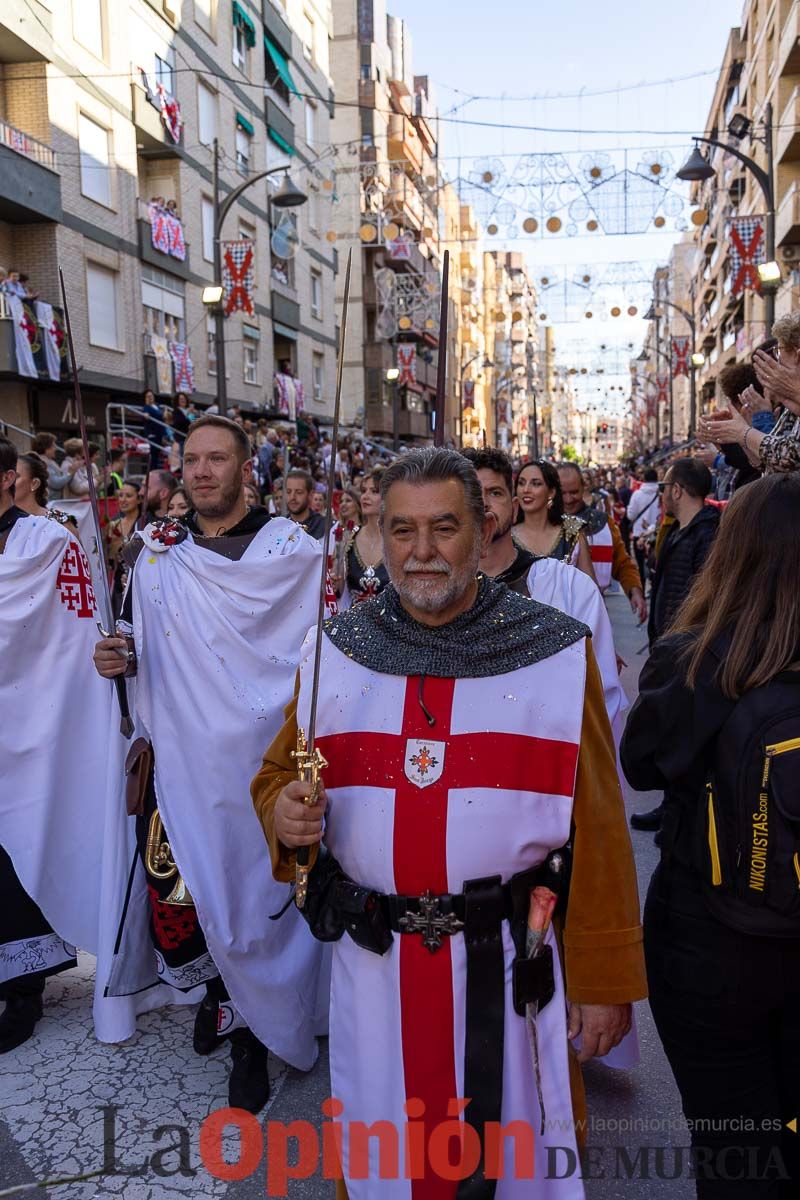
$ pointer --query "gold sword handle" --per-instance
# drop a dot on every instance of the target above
(310, 765)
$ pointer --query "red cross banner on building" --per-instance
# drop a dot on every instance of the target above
(74, 582)
(170, 113)
(184, 367)
(680, 356)
(747, 251)
(407, 364)
(662, 389)
(238, 275)
(400, 248)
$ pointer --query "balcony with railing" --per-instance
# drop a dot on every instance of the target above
(30, 185)
(404, 143)
(161, 239)
(789, 46)
(787, 141)
(45, 330)
(787, 220)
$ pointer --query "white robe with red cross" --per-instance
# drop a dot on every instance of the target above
(487, 790)
(601, 549)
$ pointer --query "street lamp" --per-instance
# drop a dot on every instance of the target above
(697, 168)
(392, 376)
(288, 195)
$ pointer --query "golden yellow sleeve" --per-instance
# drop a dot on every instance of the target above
(278, 769)
(604, 960)
(623, 568)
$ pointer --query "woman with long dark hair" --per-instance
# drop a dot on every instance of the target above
(717, 727)
(361, 572)
(542, 526)
(118, 534)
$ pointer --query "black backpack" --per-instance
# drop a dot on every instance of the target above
(748, 832)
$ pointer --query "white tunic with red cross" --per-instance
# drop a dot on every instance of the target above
(601, 548)
(487, 790)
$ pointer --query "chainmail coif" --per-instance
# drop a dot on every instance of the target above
(500, 633)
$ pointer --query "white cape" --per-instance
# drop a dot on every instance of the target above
(572, 591)
(218, 643)
(54, 733)
(565, 587)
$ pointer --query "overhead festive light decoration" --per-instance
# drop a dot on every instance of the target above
(491, 229)
(368, 233)
(615, 311)
(331, 235)
(530, 224)
(699, 217)
(589, 316)
(660, 222)
(592, 225)
(632, 311)
(553, 224)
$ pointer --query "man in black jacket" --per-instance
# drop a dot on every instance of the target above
(681, 556)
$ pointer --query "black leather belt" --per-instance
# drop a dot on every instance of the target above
(435, 917)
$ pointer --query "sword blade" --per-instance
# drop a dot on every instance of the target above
(126, 724)
(441, 369)
(337, 406)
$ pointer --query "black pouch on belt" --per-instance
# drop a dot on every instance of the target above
(363, 915)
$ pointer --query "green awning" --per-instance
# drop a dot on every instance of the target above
(243, 123)
(285, 146)
(281, 63)
(243, 22)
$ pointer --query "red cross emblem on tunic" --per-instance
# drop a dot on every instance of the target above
(479, 760)
(74, 582)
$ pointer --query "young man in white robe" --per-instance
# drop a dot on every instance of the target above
(466, 740)
(214, 618)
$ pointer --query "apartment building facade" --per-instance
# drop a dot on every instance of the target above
(392, 212)
(758, 83)
(110, 114)
(512, 342)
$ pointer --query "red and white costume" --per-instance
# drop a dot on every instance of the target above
(487, 790)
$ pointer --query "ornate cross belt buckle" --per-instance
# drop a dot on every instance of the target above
(430, 922)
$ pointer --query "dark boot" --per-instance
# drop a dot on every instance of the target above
(205, 1027)
(649, 821)
(206, 1023)
(19, 1019)
(248, 1087)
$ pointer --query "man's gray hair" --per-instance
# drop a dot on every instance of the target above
(431, 465)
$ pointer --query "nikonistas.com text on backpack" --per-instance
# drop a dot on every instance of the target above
(748, 834)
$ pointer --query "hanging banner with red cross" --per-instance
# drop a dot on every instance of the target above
(747, 251)
(184, 367)
(680, 356)
(662, 389)
(238, 276)
(407, 364)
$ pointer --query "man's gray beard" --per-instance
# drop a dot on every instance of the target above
(217, 510)
(432, 596)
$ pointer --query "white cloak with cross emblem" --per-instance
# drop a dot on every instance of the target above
(485, 790)
(218, 644)
(55, 740)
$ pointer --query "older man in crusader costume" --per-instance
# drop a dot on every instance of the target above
(216, 609)
(464, 744)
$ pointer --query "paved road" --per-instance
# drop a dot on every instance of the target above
(57, 1092)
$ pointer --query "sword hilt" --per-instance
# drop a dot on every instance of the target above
(310, 765)
(125, 720)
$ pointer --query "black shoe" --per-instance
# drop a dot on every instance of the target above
(248, 1087)
(205, 1038)
(19, 1021)
(649, 821)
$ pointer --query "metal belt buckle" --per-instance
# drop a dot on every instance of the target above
(430, 922)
